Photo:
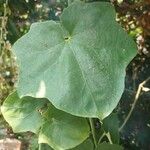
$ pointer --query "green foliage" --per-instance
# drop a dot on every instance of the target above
(56, 128)
(61, 130)
(86, 145)
(78, 64)
(22, 114)
(107, 146)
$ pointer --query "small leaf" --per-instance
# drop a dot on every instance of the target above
(63, 131)
(79, 63)
(22, 114)
(111, 125)
(58, 129)
(107, 146)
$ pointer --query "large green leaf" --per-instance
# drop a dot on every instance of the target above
(78, 64)
(23, 114)
(63, 131)
(107, 146)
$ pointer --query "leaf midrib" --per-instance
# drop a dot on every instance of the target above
(93, 99)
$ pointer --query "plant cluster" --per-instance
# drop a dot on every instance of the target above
(71, 72)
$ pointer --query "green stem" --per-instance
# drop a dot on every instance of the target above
(93, 131)
(99, 141)
(109, 138)
(40, 146)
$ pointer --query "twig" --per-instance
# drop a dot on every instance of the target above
(109, 138)
(104, 134)
(134, 103)
(40, 146)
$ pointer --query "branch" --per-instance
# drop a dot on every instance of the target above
(141, 85)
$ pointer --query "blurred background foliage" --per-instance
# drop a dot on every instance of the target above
(16, 16)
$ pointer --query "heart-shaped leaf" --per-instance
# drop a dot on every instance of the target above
(23, 114)
(78, 64)
(61, 130)
(58, 129)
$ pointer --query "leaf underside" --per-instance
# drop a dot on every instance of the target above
(79, 63)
